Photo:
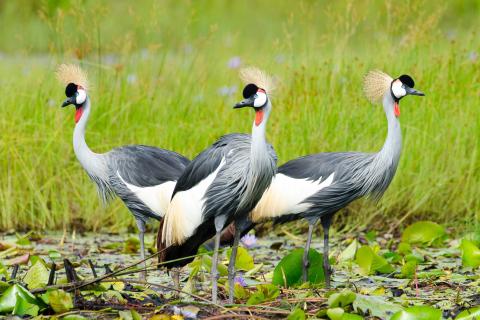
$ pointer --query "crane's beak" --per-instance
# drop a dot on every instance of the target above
(69, 101)
(248, 102)
(413, 92)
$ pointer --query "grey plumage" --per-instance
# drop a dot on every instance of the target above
(142, 166)
(337, 179)
(222, 184)
(130, 172)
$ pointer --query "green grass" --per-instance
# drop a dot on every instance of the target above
(157, 67)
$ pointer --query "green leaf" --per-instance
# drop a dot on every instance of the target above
(349, 252)
(296, 314)
(3, 271)
(288, 271)
(74, 317)
(376, 306)
(335, 313)
(404, 248)
(341, 299)
(23, 307)
(409, 268)
(370, 262)
(371, 236)
(22, 240)
(59, 300)
(424, 233)
(265, 292)
(129, 315)
(418, 312)
(54, 254)
(470, 254)
(469, 314)
(240, 292)
(37, 276)
(243, 260)
(10, 298)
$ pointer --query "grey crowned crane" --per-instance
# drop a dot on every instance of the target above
(221, 185)
(316, 186)
(142, 177)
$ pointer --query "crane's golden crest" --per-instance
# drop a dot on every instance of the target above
(72, 73)
(258, 77)
(375, 84)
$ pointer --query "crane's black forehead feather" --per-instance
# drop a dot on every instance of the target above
(70, 89)
(406, 79)
(249, 90)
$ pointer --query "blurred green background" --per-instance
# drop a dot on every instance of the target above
(165, 73)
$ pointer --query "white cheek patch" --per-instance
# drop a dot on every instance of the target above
(81, 97)
(398, 90)
(260, 100)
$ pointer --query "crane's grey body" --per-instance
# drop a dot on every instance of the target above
(336, 179)
(355, 174)
(128, 171)
(222, 184)
(239, 183)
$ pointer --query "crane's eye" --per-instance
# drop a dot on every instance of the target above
(249, 90)
(81, 96)
(260, 99)
(70, 90)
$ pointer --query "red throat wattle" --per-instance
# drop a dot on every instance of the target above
(258, 117)
(396, 110)
(78, 114)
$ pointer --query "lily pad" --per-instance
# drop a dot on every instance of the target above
(13, 297)
(59, 300)
(349, 252)
(418, 313)
(469, 314)
(37, 276)
(341, 299)
(424, 233)
(340, 314)
(243, 260)
(470, 254)
(376, 306)
(296, 314)
(288, 271)
(370, 262)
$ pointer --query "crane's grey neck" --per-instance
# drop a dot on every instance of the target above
(261, 166)
(392, 147)
(259, 141)
(380, 169)
(93, 163)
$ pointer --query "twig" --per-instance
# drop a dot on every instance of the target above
(229, 316)
(208, 302)
(14, 272)
(51, 276)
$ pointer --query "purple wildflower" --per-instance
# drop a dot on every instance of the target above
(473, 56)
(227, 91)
(249, 240)
(241, 281)
(234, 62)
(132, 78)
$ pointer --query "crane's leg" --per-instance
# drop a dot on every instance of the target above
(214, 267)
(326, 221)
(141, 237)
(231, 264)
(176, 281)
(306, 263)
